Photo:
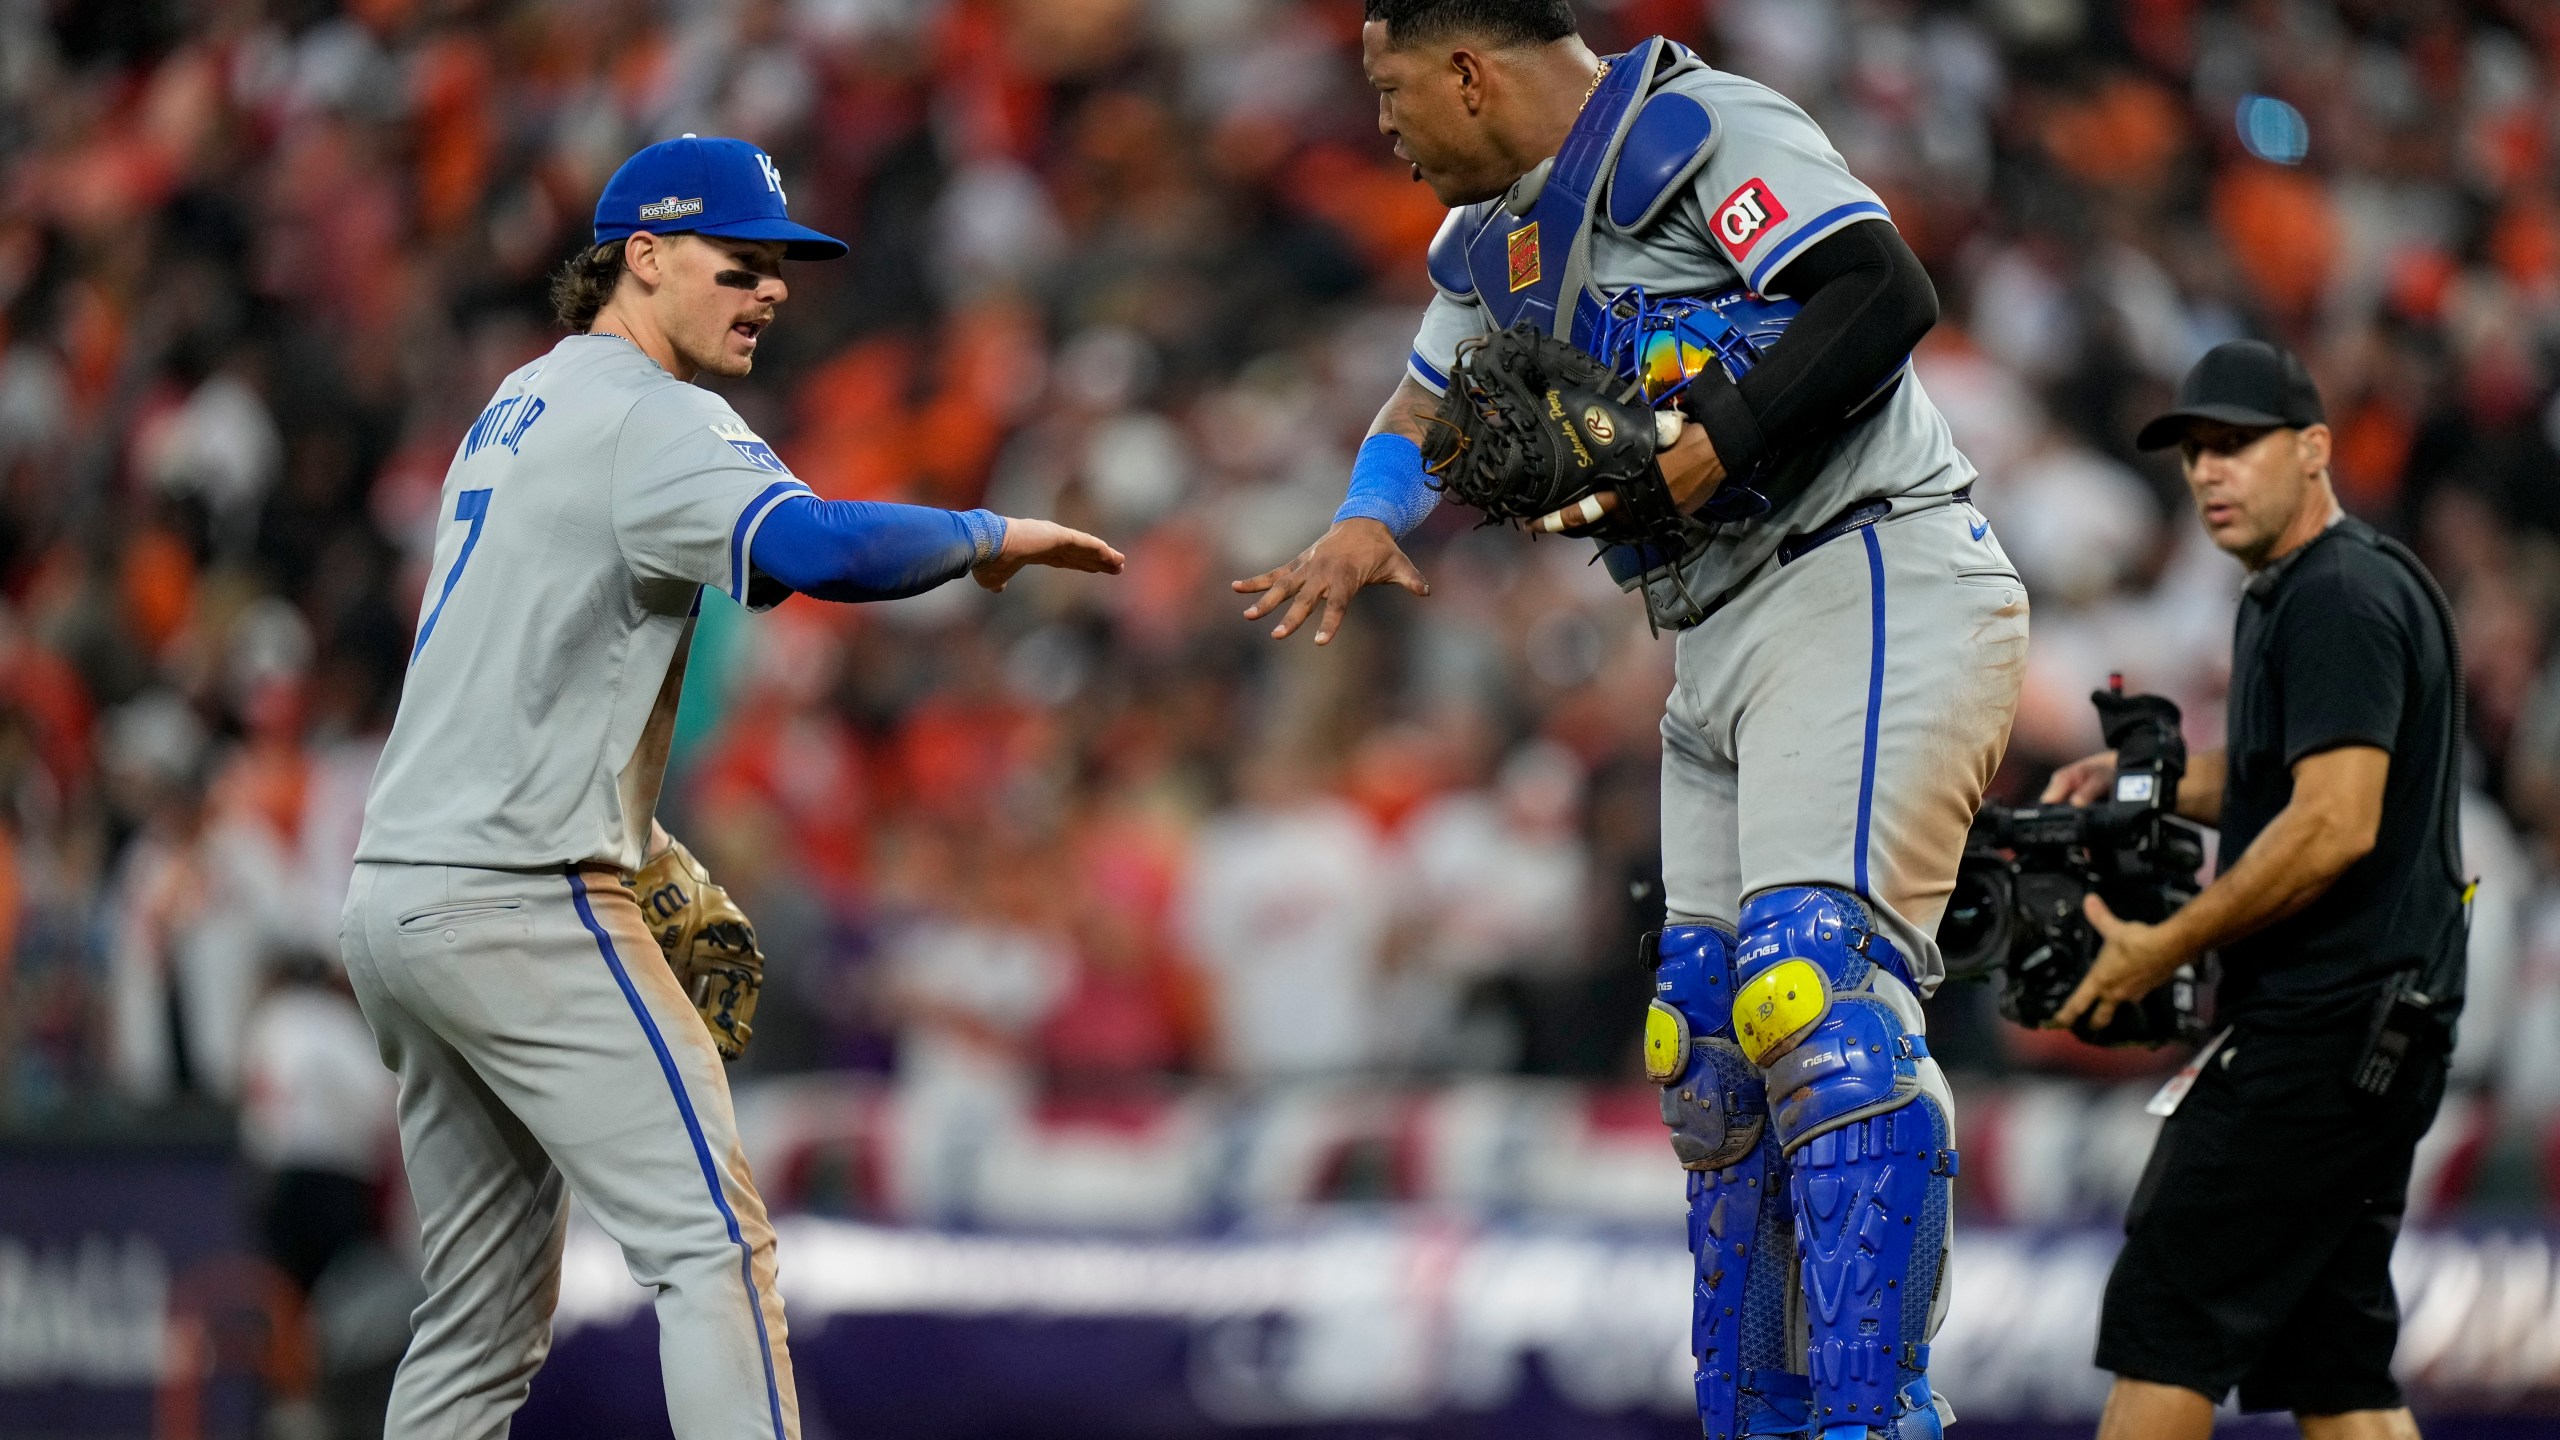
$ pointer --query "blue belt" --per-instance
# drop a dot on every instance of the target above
(1856, 517)
(1849, 521)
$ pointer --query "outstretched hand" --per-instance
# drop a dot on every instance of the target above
(1347, 559)
(1045, 542)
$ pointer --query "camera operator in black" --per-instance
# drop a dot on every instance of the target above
(2259, 1242)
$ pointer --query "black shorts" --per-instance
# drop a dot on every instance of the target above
(2258, 1245)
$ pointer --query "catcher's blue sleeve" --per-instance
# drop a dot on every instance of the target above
(1389, 485)
(867, 550)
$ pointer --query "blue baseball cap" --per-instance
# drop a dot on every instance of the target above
(710, 187)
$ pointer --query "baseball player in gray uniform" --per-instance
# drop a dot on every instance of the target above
(1850, 641)
(509, 927)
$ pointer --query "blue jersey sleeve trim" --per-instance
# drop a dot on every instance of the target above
(1389, 485)
(1810, 231)
(693, 1131)
(744, 530)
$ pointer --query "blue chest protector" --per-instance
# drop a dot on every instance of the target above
(1633, 149)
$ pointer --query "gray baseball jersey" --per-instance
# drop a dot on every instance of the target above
(491, 935)
(1772, 185)
(584, 512)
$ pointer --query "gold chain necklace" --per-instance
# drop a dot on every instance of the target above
(1597, 76)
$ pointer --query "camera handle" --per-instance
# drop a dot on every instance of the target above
(2147, 734)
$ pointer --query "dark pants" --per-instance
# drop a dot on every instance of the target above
(2258, 1245)
(313, 1216)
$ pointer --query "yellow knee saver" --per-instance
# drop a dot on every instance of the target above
(1666, 1043)
(1779, 1008)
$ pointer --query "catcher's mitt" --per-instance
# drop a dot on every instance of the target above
(1530, 425)
(708, 941)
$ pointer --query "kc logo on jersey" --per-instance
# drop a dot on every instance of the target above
(1524, 256)
(1746, 215)
(746, 442)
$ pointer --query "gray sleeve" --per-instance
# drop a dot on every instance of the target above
(691, 484)
(1435, 345)
(1774, 184)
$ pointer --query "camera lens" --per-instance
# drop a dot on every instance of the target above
(1974, 933)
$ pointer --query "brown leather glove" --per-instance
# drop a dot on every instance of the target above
(709, 943)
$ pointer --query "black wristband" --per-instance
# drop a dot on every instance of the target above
(1716, 404)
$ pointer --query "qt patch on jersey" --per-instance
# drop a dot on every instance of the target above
(1746, 215)
(747, 443)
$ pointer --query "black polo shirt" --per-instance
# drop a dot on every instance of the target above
(2339, 643)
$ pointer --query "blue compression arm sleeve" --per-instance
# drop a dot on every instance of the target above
(866, 550)
(1388, 485)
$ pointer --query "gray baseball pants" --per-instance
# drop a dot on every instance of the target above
(1837, 722)
(544, 1047)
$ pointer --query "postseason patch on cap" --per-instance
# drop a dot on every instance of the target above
(745, 442)
(671, 208)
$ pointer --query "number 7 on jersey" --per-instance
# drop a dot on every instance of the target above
(471, 505)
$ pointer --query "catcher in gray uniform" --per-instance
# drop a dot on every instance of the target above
(554, 979)
(1670, 319)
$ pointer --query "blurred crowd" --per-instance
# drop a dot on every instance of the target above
(1145, 266)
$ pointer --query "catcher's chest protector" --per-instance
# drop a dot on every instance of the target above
(1535, 264)
(1527, 258)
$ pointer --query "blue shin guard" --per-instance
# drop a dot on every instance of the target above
(1739, 1221)
(1871, 1218)
(1740, 1234)
(1825, 1006)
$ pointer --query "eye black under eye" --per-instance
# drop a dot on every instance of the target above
(738, 279)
